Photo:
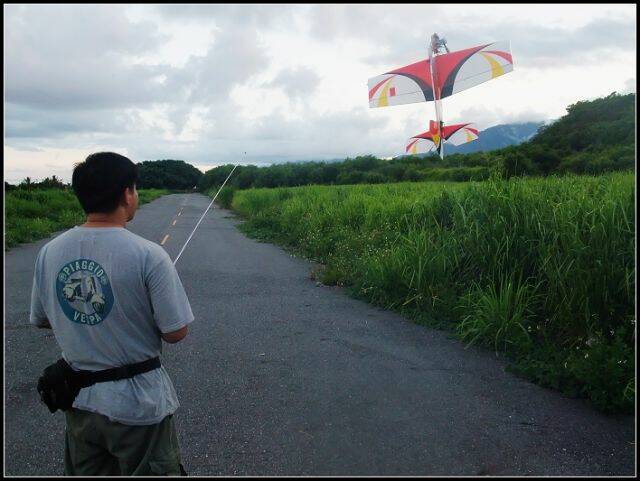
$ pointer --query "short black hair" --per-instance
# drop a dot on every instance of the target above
(101, 179)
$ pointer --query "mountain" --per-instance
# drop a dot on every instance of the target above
(497, 137)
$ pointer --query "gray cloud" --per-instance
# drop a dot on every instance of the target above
(55, 87)
(629, 86)
(533, 45)
(382, 23)
(27, 122)
(539, 46)
(234, 57)
(273, 138)
(484, 118)
(75, 57)
(263, 16)
(297, 83)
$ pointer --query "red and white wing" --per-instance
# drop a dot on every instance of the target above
(460, 134)
(456, 134)
(417, 145)
(461, 70)
(456, 71)
(405, 85)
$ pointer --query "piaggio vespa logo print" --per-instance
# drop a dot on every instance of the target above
(84, 292)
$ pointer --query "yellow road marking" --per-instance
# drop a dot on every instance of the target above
(174, 222)
(179, 212)
(164, 240)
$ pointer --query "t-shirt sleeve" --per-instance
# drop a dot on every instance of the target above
(37, 316)
(171, 308)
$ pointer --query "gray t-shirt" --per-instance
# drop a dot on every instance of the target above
(108, 294)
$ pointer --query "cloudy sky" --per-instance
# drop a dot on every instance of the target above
(207, 83)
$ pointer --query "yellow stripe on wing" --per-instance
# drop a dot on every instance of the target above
(383, 101)
(469, 136)
(496, 68)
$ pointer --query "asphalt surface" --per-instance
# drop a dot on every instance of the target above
(280, 376)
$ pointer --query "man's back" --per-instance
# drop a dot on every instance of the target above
(108, 295)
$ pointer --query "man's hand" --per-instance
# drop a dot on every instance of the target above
(175, 336)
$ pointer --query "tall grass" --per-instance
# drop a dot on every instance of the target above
(32, 214)
(541, 270)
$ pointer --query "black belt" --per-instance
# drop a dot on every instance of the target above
(89, 378)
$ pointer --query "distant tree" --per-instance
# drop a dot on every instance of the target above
(167, 174)
(515, 163)
(26, 183)
(214, 177)
(363, 163)
(393, 172)
(350, 177)
(50, 183)
(594, 124)
(330, 173)
(316, 176)
(545, 159)
(374, 178)
(245, 176)
(413, 174)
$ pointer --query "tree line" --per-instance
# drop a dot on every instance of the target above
(27, 183)
(592, 138)
(158, 174)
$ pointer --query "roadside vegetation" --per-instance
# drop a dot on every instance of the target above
(541, 270)
(33, 212)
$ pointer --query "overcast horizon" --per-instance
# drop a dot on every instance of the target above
(207, 83)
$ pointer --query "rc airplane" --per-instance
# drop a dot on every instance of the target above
(443, 74)
(436, 137)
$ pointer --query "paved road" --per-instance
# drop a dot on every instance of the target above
(281, 377)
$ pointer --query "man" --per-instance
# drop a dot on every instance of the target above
(111, 297)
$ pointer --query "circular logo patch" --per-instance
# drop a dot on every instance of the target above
(84, 292)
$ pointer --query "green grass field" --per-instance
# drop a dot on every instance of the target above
(32, 214)
(539, 269)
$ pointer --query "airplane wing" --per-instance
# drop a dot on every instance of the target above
(426, 141)
(420, 145)
(460, 134)
(405, 85)
(457, 134)
(457, 71)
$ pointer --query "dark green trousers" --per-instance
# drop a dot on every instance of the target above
(96, 446)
